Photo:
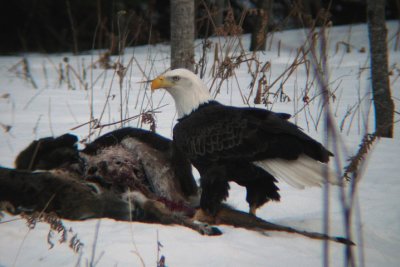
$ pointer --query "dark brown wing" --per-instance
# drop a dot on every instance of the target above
(221, 133)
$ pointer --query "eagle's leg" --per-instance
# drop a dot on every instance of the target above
(253, 209)
(260, 185)
(214, 187)
(260, 192)
(257, 195)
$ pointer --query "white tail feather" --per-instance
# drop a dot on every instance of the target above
(299, 173)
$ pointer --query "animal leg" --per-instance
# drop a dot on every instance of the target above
(260, 185)
(53, 192)
(215, 188)
(155, 212)
(229, 216)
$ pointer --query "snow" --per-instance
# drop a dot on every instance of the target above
(54, 109)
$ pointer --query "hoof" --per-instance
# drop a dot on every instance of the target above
(206, 229)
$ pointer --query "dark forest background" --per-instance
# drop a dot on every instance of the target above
(80, 25)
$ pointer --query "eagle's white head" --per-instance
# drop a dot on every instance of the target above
(188, 90)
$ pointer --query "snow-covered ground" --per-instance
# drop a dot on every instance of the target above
(54, 109)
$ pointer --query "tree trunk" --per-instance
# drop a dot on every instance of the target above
(182, 34)
(259, 33)
(219, 16)
(309, 12)
(383, 103)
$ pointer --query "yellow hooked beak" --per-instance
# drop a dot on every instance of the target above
(160, 82)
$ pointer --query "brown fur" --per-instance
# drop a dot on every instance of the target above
(126, 181)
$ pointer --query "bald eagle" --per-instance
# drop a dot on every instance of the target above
(250, 146)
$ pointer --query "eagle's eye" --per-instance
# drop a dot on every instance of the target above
(176, 78)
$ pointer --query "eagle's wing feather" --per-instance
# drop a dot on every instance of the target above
(218, 132)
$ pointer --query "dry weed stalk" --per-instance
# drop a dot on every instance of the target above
(351, 171)
(5, 127)
(56, 226)
(23, 70)
(71, 70)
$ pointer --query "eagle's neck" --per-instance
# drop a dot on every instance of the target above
(187, 100)
(200, 107)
